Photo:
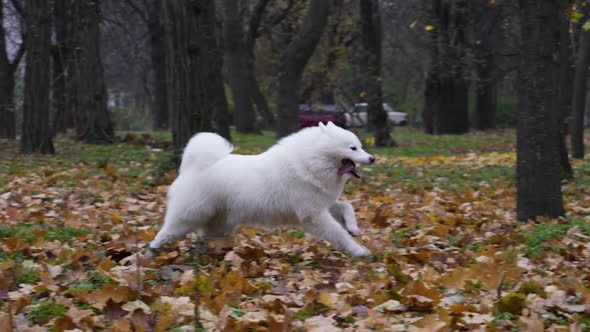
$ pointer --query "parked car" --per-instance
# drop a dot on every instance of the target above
(310, 115)
(357, 117)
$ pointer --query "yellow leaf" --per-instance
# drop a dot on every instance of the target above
(7, 264)
(362, 94)
(586, 25)
(413, 24)
(428, 28)
(324, 298)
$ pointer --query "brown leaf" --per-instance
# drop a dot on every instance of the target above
(108, 292)
(531, 323)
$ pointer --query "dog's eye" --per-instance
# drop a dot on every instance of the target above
(353, 148)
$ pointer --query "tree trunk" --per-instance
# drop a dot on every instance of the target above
(292, 62)
(7, 118)
(485, 23)
(371, 38)
(236, 62)
(87, 86)
(7, 71)
(258, 98)
(538, 167)
(195, 94)
(564, 99)
(62, 116)
(446, 110)
(36, 130)
(486, 95)
(579, 99)
(161, 116)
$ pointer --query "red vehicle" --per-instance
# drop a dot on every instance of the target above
(310, 115)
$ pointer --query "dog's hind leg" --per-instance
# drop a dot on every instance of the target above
(344, 213)
(325, 227)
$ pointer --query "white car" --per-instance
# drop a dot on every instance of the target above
(357, 117)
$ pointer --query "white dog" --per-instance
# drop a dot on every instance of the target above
(295, 182)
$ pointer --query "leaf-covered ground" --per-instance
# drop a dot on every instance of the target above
(437, 212)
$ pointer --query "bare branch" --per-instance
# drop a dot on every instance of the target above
(255, 21)
(18, 56)
(281, 16)
(18, 7)
(139, 11)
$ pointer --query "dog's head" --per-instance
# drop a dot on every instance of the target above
(345, 148)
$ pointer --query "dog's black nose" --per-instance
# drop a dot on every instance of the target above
(372, 159)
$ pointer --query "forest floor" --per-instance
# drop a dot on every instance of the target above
(437, 212)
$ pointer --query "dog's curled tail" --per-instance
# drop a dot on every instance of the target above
(203, 150)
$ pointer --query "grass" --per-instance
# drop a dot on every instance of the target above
(30, 233)
(46, 310)
(412, 142)
(537, 240)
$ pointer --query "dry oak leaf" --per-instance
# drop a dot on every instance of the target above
(429, 323)
(420, 297)
(531, 323)
(108, 292)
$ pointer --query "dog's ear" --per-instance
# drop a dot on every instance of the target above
(322, 126)
(331, 125)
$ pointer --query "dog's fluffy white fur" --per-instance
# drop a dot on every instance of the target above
(295, 182)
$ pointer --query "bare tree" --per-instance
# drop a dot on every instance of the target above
(538, 165)
(485, 19)
(63, 116)
(293, 61)
(446, 107)
(579, 99)
(36, 132)
(8, 69)
(563, 101)
(161, 115)
(371, 36)
(195, 94)
(237, 65)
(86, 76)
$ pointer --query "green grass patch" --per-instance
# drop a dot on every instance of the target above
(44, 311)
(28, 276)
(29, 233)
(534, 239)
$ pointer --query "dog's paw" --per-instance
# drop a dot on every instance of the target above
(360, 251)
(354, 231)
(151, 253)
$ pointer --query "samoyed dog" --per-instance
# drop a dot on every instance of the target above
(295, 182)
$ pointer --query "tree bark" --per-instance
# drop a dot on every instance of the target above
(36, 130)
(486, 95)
(7, 71)
(579, 99)
(446, 92)
(292, 64)
(538, 167)
(195, 93)
(62, 116)
(86, 76)
(564, 98)
(161, 116)
(371, 39)
(236, 61)
(484, 17)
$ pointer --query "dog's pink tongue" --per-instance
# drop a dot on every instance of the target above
(348, 168)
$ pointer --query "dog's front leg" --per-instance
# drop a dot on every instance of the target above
(344, 213)
(325, 227)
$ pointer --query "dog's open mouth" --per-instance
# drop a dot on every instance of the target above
(348, 166)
